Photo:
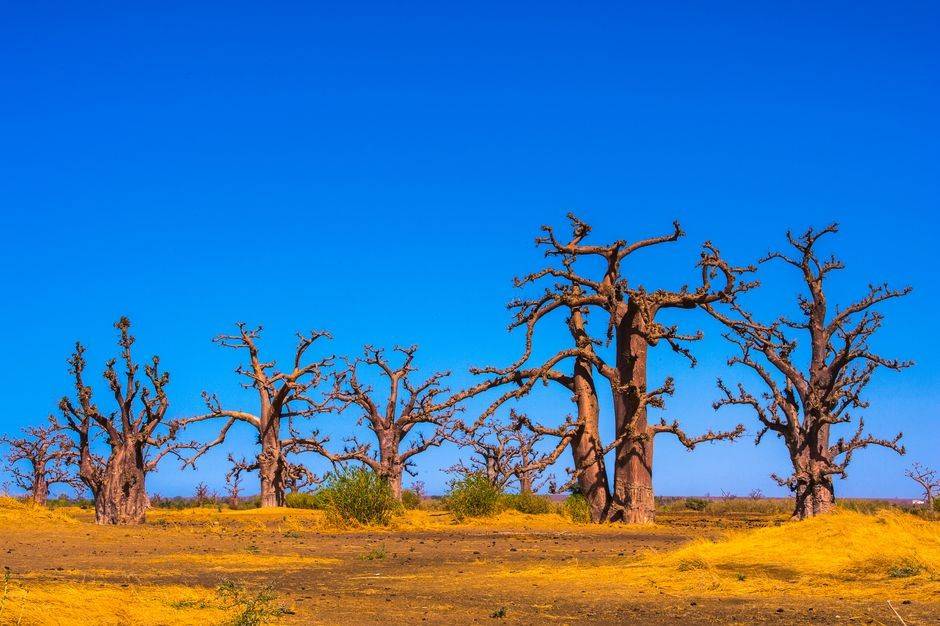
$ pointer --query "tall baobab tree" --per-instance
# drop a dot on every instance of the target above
(282, 397)
(801, 405)
(632, 328)
(394, 413)
(927, 479)
(39, 459)
(130, 435)
(504, 452)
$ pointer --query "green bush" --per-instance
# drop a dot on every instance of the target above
(316, 500)
(696, 504)
(527, 503)
(358, 496)
(576, 508)
(410, 500)
(473, 496)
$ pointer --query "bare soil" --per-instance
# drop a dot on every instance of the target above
(453, 575)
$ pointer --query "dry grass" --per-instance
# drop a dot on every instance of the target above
(887, 555)
(13, 511)
(68, 603)
(847, 556)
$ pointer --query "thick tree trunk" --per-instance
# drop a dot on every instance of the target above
(633, 469)
(814, 497)
(394, 481)
(272, 467)
(40, 489)
(122, 495)
(525, 483)
(586, 448)
(271, 473)
(391, 468)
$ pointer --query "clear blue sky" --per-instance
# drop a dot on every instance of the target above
(380, 170)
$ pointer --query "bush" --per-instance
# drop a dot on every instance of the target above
(576, 508)
(316, 500)
(358, 496)
(527, 503)
(473, 496)
(696, 504)
(410, 500)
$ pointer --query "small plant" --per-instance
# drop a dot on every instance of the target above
(375, 554)
(528, 502)
(905, 571)
(190, 604)
(696, 504)
(359, 496)
(410, 500)
(473, 496)
(576, 508)
(499, 613)
(7, 575)
(317, 500)
(252, 609)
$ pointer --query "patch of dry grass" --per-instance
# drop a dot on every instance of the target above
(16, 512)
(845, 554)
(59, 603)
(245, 561)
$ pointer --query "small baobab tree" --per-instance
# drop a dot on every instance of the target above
(134, 437)
(504, 453)
(802, 405)
(39, 459)
(927, 479)
(630, 311)
(282, 397)
(393, 413)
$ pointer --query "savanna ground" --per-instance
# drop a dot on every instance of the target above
(288, 566)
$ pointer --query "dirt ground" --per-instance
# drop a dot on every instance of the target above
(429, 571)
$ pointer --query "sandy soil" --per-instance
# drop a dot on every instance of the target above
(445, 574)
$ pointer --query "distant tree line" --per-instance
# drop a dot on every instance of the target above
(612, 319)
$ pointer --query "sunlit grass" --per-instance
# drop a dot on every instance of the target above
(886, 555)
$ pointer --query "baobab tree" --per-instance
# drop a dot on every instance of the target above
(282, 397)
(631, 328)
(504, 452)
(802, 405)
(39, 459)
(393, 414)
(131, 436)
(927, 479)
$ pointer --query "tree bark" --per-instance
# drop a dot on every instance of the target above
(586, 447)
(633, 469)
(122, 495)
(40, 488)
(271, 470)
(814, 497)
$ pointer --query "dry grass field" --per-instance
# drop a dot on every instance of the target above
(288, 566)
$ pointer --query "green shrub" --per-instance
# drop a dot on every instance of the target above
(696, 504)
(410, 500)
(527, 503)
(473, 496)
(358, 496)
(316, 500)
(576, 508)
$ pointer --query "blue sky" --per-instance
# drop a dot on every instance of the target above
(380, 170)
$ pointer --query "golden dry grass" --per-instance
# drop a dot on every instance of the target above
(845, 554)
(69, 603)
(857, 557)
